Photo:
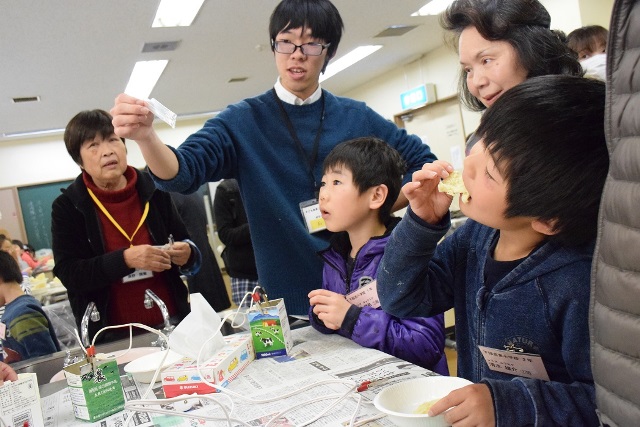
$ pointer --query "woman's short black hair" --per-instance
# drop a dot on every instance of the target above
(371, 162)
(320, 16)
(546, 136)
(525, 24)
(9, 268)
(83, 126)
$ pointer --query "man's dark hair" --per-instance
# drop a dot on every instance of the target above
(371, 162)
(320, 16)
(524, 24)
(9, 268)
(546, 136)
(83, 126)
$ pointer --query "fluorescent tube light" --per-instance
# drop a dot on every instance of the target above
(144, 77)
(176, 13)
(348, 60)
(32, 133)
(434, 7)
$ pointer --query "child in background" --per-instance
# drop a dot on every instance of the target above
(518, 271)
(362, 179)
(25, 330)
(590, 43)
(27, 254)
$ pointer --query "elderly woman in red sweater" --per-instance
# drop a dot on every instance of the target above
(109, 227)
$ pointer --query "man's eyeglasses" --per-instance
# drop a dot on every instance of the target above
(311, 49)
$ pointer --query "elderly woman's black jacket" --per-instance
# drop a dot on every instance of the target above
(81, 263)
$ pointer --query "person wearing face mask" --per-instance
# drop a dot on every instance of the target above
(109, 228)
(500, 44)
(590, 43)
(274, 145)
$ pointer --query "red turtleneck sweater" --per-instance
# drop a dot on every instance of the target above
(127, 299)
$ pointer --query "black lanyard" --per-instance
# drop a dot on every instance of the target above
(311, 161)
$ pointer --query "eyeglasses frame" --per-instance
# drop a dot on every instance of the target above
(274, 44)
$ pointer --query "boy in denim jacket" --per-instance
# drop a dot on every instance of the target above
(518, 271)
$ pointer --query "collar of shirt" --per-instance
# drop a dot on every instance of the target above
(289, 98)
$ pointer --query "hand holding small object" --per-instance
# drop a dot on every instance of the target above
(472, 403)
(179, 253)
(423, 195)
(146, 257)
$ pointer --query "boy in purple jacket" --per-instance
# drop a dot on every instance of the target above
(362, 179)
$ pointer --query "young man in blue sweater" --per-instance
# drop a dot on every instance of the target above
(518, 271)
(361, 181)
(274, 145)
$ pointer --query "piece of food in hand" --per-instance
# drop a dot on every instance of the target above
(423, 408)
(453, 185)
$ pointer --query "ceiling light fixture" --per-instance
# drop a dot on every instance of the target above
(144, 77)
(32, 133)
(348, 60)
(176, 13)
(434, 7)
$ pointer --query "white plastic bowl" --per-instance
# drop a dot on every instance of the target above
(122, 356)
(145, 367)
(399, 401)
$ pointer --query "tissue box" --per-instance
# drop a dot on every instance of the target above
(270, 331)
(95, 389)
(183, 378)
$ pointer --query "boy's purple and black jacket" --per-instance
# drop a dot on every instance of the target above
(419, 340)
(539, 307)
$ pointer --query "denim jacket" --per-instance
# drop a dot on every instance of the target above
(540, 307)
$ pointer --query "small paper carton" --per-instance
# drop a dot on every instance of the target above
(270, 331)
(20, 402)
(183, 378)
(95, 388)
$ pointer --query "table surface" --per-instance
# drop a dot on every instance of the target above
(314, 358)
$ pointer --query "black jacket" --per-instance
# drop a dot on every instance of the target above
(81, 263)
(233, 231)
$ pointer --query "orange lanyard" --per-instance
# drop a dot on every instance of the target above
(115, 223)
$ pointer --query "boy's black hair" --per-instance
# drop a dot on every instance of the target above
(546, 136)
(371, 162)
(320, 16)
(83, 126)
(9, 268)
(525, 24)
(587, 37)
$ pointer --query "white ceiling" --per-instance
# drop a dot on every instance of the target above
(78, 54)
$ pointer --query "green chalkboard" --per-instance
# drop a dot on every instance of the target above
(35, 202)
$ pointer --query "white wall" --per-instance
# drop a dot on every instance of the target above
(439, 67)
(596, 12)
(45, 159)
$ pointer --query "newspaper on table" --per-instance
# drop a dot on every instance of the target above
(314, 358)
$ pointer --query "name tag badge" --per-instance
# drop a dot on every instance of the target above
(366, 296)
(137, 275)
(517, 364)
(312, 216)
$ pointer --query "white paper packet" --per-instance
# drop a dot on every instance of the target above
(162, 112)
